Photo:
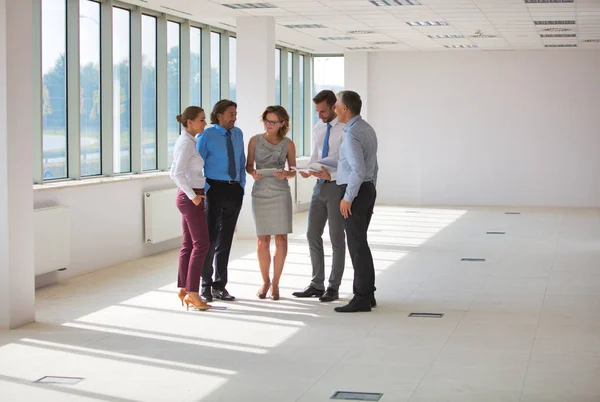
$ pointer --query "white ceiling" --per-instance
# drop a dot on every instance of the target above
(510, 23)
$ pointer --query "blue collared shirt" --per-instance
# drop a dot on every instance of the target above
(212, 146)
(358, 157)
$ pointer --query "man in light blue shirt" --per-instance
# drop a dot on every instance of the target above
(356, 176)
(222, 148)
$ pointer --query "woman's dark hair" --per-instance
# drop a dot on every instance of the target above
(282, 115)
(220, 108)
(190, 113)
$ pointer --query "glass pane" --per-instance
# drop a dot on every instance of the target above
(299, 142)
(173, 83)
(121, 91)
(328, 73)
(196, 66)
(291, 92)
(215, 68)
(232, 68)
(89, 87)
(149, 131)
(277, 77)
(54, 89)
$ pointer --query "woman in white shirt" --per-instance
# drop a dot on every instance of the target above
(186, 172)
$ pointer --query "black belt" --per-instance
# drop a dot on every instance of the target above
(223, 181)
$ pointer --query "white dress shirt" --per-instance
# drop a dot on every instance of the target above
(186, 170)
(336, 136)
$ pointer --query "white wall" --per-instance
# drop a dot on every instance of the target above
(487, 128)
(107, 222)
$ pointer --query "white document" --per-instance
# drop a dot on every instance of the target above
(328, 163)
(269, 171)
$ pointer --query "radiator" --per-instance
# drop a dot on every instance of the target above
(162, 219)
(51, 239)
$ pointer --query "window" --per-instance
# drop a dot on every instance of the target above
(173, 84)
(196, 66)
(121, 91)
(89, 88)
(54, 89)
(300, 142)
(215, 68)
(232, 68)
(277, 76)
(328, 73)
(290, 108)
(149, 98)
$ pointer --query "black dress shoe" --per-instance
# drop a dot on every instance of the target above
(207, 294)
(330, 295)
(310, 291)
(223, 295)
(373, 301)
(354, 306)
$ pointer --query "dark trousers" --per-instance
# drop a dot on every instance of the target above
(223, 206)
(356, 227)
(195, 242)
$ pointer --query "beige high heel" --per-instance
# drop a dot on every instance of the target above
(196, 302)
(182, 294)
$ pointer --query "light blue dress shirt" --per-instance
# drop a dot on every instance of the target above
(358, 157)
(212, 146)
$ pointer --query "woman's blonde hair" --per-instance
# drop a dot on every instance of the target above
(282, 115)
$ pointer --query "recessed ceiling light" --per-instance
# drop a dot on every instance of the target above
(385, 43)
(305, 26)
(591, 40)
(336, 38)
(243, 6)
(361, 32)
(427, 23)
(383, 3)
(556, 29)
(555, 22)
(570, 35)
(562, 45)
(362, 48)
(448, 36)
(461, 46)
(547, 1)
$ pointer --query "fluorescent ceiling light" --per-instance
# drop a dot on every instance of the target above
(427, 23)
(245, 6)
(384, 3)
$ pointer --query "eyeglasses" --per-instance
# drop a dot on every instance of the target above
(271, 122)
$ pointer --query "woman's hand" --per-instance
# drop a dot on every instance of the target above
(256, 176)
(280, 175)
(198, 199)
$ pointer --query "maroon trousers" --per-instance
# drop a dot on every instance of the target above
(195, 242)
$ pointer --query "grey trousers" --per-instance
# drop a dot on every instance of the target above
(324, 207)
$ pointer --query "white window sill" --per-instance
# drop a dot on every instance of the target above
(93, 181)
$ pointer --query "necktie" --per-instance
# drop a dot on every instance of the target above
(326, 142)
(325, 146)
(231, 156)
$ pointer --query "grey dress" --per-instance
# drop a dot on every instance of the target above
(271, 197)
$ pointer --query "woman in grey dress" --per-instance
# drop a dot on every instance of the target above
(271, 195)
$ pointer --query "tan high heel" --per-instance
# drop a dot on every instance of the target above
(196, 302)
(182, 294)
(274, 292)
(262, 292)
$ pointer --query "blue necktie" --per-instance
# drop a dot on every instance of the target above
(326, 146)
(231, 156)
(326, 142)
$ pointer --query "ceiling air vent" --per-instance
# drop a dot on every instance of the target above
(360, 32)
(547, 1)
(559, 35)
(562, 45)
(591, 41)
(363, 48)
(557, 29)
(336, 38)
(385, 43)
(246, 6)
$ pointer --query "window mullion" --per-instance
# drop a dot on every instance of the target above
(106, 87)
(73, 91)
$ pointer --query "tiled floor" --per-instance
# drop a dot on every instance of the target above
(522, 326)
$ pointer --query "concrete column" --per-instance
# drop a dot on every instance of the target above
(356, 77)
(255, 91)
(17, 283)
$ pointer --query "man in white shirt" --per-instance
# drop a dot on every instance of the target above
(325, 203)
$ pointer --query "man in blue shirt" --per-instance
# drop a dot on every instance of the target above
(222, 148)
(356, 176)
